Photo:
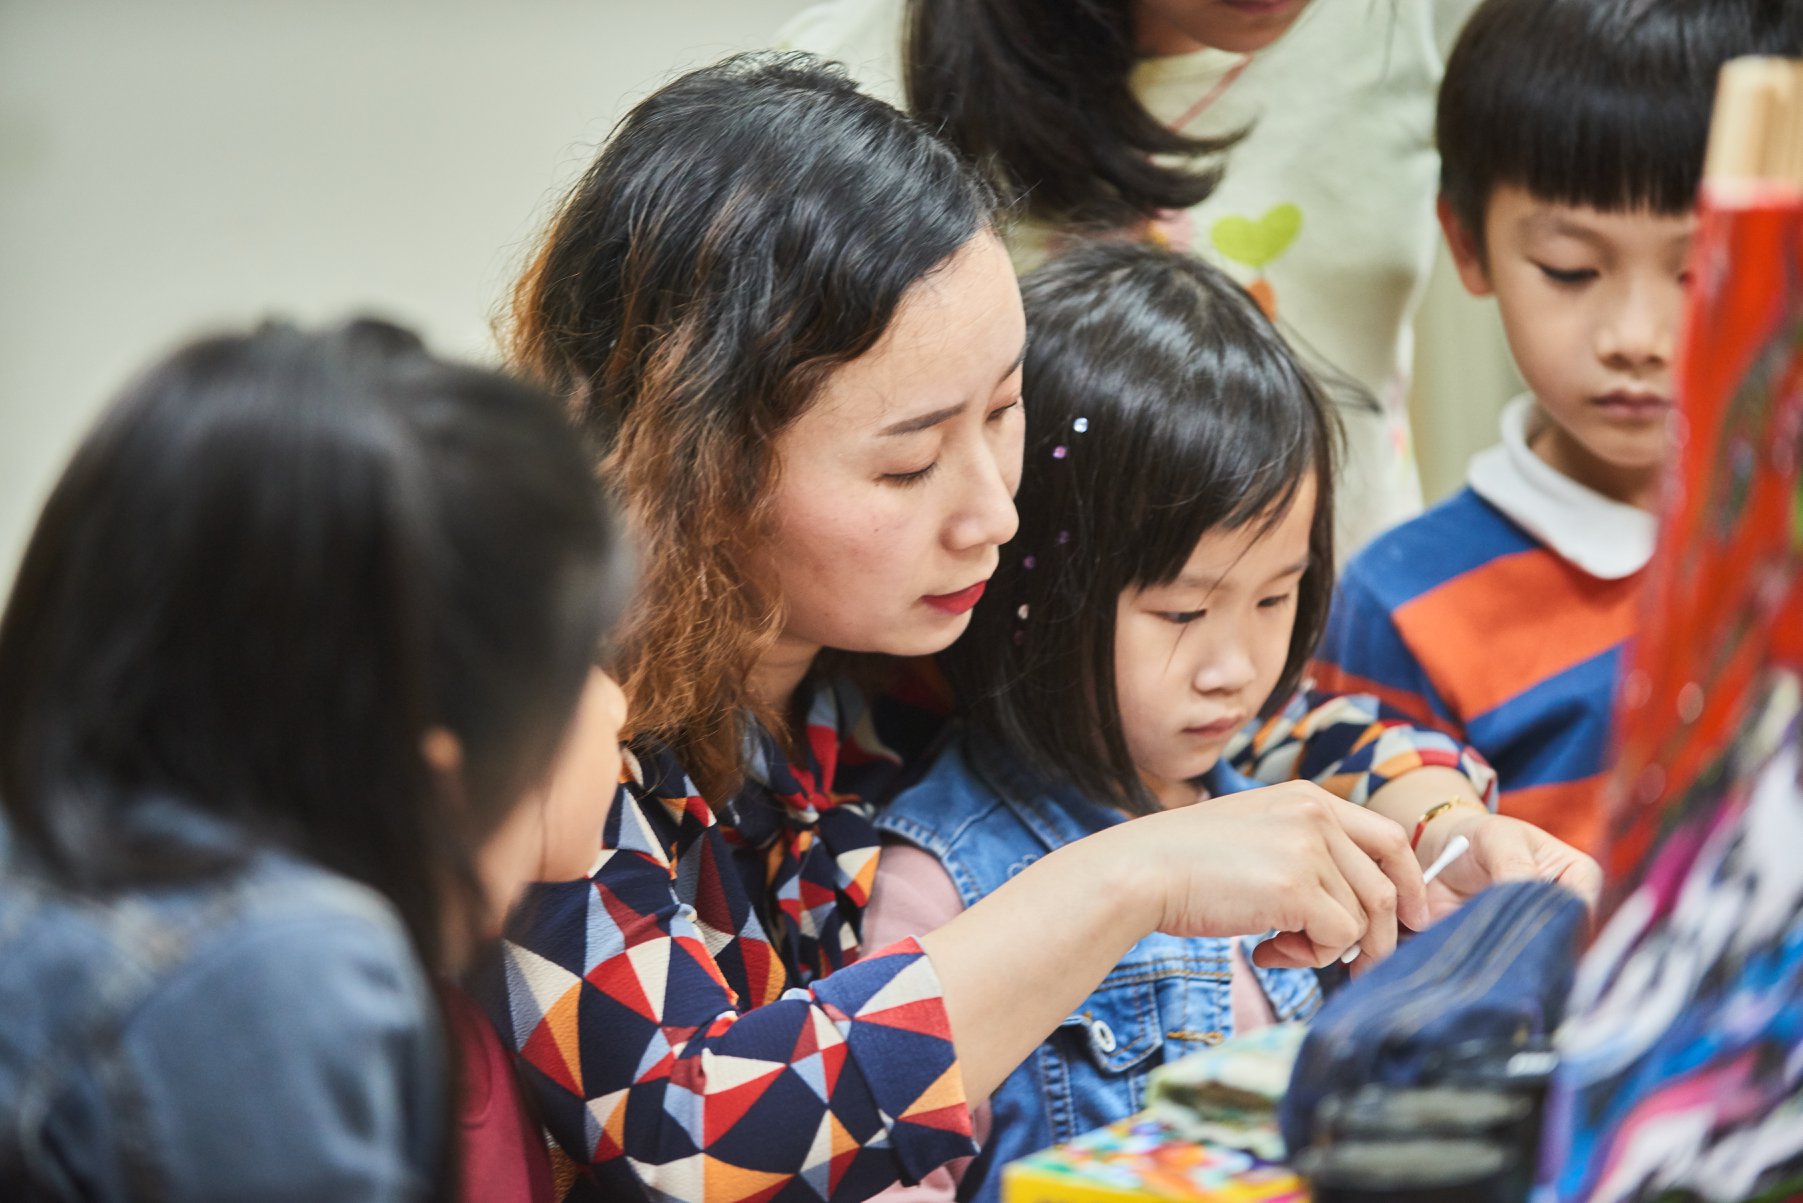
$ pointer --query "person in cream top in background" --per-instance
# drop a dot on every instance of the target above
(1325, 207)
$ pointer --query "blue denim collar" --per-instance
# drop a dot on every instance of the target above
(1055, 811)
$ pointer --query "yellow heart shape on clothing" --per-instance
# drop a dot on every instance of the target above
(1256, 243)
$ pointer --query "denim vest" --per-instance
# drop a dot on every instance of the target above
(986, 819)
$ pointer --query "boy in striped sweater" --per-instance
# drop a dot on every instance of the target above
(1571, 134)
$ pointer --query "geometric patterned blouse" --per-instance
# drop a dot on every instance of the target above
(696, 1019)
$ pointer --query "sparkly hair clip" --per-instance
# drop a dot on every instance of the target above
(1080, 425)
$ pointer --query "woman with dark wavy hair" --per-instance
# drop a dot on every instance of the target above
(785, 311)
(1288, 142)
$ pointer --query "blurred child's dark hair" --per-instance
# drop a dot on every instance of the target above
(1161, 405)
(1598, 103)
(276, 563)
(1042, 96)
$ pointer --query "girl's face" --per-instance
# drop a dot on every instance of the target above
(1194, 659)
(1162, 27)
(896, 486)
(554, 834)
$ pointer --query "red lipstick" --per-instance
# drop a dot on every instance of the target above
(959, 602)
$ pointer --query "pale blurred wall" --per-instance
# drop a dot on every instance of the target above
(170, 165)
(1463, 378)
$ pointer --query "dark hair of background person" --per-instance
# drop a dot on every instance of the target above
(1596, 103)
(278, 560)
(1040, 95)
(749, 228)
(1196, 418)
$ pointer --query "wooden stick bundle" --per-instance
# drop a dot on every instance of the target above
(1756, 136)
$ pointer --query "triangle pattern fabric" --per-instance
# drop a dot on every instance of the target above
(696, 1019)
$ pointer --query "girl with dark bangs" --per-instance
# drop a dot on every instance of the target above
(785, 309)
(1168, 585)
(1287, 142)
(299, 640)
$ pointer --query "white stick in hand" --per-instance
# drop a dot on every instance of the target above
(1456, 847)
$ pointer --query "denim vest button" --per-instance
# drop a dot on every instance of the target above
(1103, 1035)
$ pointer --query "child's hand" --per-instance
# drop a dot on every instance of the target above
(1325, 873)
(1506, 849)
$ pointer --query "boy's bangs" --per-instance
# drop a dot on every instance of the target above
(1596, 103)
(1619, 149)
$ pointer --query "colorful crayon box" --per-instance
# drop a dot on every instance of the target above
(1144, 1158)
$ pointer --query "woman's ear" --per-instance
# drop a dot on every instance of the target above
(1467, 250)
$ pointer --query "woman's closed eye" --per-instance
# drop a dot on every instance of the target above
(1275, 600)
(1182, 617)
(916, 475)
(904, 479)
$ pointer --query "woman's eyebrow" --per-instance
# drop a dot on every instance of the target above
(927, 421)
(923, 422)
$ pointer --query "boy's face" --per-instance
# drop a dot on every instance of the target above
(1590, 302)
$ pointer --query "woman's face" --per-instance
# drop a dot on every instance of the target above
(1162, 27)
(896, 485)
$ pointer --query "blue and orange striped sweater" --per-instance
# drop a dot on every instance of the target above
(1464, 621)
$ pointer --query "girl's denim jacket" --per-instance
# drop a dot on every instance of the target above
(986, 819)
(266, 1034)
